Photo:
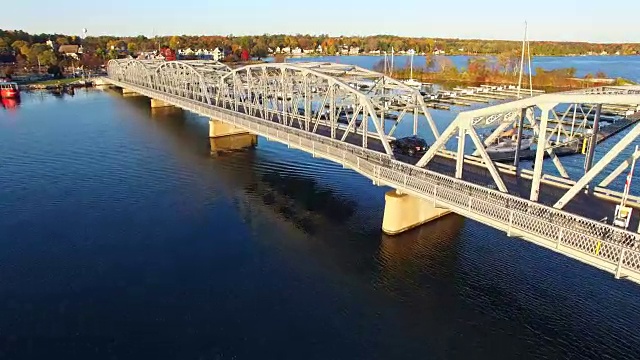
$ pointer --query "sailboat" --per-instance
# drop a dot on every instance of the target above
(504, 147)
(411, 82)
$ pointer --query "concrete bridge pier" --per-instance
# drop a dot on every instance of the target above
(225, 136)
(156, 104)
(404, 212)
(128, 93)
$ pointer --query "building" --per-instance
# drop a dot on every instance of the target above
(296, 51)
(70, 50)
(217, 54)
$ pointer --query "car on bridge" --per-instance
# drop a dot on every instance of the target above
(411, 145)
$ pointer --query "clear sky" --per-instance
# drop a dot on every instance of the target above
(566, 20)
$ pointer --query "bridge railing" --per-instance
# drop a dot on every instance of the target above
(601, 245)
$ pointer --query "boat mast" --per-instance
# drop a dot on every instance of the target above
(411, 76)
(385, 63)
(391, 70)
(524, 41)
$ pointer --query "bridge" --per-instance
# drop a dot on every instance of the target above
(349, 115)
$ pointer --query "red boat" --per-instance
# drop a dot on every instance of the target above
(9, 90)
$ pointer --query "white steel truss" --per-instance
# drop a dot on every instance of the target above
(285, 103)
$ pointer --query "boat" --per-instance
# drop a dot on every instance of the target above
(9, 90)
(411, 82)
(504, 148)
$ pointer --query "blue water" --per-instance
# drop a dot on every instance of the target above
(614, 66)
(122, 237)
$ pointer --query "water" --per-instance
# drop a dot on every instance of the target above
(614, 66)
(121, 237)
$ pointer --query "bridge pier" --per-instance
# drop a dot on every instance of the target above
(155, 104)
(129, 93)
(225, 136)
(404, 212)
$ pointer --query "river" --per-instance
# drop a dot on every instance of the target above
(613, 66)
(122, 237)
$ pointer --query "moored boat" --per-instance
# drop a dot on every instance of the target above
(9, 90)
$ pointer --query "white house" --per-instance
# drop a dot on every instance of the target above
(296, 51)
(286, 50)
(319, 49)
(218, 54)
(354, 50)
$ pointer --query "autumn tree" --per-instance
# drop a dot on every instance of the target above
(47, 58)
(21, 47)
(61, 40)
(34, 52)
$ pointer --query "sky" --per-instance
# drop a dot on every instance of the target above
(561, 20)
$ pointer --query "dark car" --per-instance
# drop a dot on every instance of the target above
(411, 145)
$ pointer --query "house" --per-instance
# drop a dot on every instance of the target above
(374, 52)
(354, 50)
(439, 52)
(286, 50)
(308, 51)
(50, 44)
(186, 52)
(70, 50)
(319, 49)
(217, 54)
(278, 50)
(296, 51)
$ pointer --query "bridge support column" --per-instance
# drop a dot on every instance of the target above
(128, 93)
(225, 136)
(404, 212)
(155, 103)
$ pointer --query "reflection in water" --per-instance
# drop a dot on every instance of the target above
(430, 248)
(10, 103)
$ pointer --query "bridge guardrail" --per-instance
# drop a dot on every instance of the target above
(601, 245)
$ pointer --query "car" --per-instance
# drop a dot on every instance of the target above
(411, 145)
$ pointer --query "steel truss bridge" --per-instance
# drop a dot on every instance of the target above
(349, 115)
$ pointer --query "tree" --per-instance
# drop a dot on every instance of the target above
(34, 52)
(430, 61)
(131, 47)
(21, 47)
(47, 58)
(56, 71)
(259, 52)
(444, 64)
(174, 42)
(62, 40)
(244, 56)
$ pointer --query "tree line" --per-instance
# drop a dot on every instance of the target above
(30, 49)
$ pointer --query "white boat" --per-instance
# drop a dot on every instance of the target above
(504, 148)
(413, 83)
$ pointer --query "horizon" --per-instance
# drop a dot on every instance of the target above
(191, 18)
(311, 35)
